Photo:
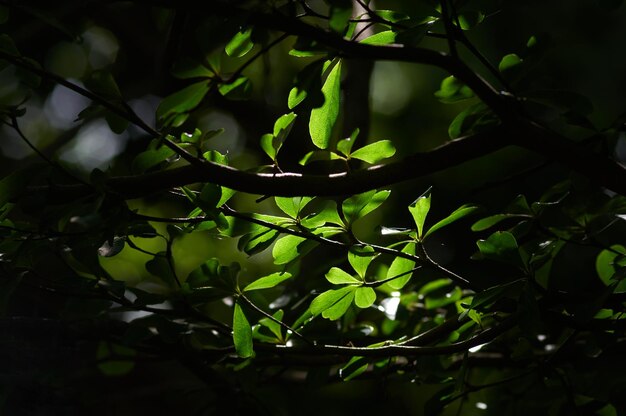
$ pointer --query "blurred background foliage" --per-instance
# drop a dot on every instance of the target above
(49, 370)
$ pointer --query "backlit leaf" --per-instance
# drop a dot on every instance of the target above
(268, 282)
(242, 333)
(323, 118)
(455, 216)
(401, 266)
(337, 276)
(364, 297)
(419, 210)
(375, 152)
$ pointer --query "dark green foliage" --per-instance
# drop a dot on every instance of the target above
(220, 212)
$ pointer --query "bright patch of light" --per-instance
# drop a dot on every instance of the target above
(289, 343)
(391, 88)
(550, 347)
(94, 146)
(102, 46)
(476, 348)
(390, 305)
(145, 107)
(541, 337)
(481, 405)
(63, 106)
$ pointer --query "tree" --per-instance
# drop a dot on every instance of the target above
(222, 209)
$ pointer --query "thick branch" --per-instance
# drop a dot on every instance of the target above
(297, 184)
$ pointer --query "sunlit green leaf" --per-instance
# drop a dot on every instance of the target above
(239, 89)
(509, 62)
(455, 216)
(358, 206)
(240, 44)
(375, 152)
(268, 281)
(419, 210)
(292, 205)
(338, 309)
(327, 299)
(470, 19)
(337, 276)
(291, 247)
(272, 325)
(608, 263)
(344, 146)
(323, 118)
(401, 266)
(242, 333)
(381, 38)
(360, 259)
(364, 297)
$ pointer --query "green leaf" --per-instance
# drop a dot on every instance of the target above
(327, 299)
(292, 205)
(355, 367)
(357, 206)
(242, 333)
(500, 245)
(240, 44)
(490, 221)
(455, 216)
(392, 15)
(273, 326)
(400, 266)
(183, 101)
(337, 310)
(323, 118)
(271, 143)
(608, 263)
(290, 247)
(267, 144)
(474, 119)
(375, 152)
(419, 210)
(344, 146)
(360, 259)
(382, 38)
(470, 19)
(364, 297)
(258, 241)
(340, 13)
(337, 276)
(268, 281)
(308, 85)
(509, 62)
(239, 89)
(453, 90)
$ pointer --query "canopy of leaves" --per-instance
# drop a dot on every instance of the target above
(321, 207)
